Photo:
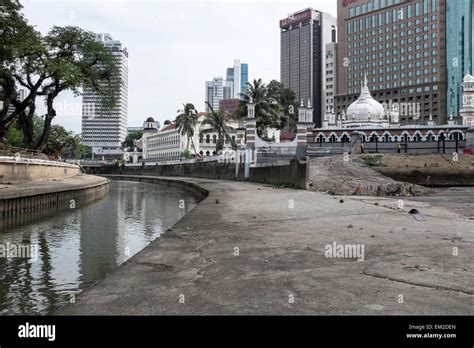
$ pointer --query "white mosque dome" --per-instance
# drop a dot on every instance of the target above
(365, 108)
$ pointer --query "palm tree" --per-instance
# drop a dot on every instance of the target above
(186, 123)
(217, 122)
(267, 108)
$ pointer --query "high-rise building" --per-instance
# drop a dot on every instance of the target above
(459, 50)
(104, 129)
(216, 90)
(304, 36)
(331, 66)
(239, 76)
(234, 87)
(400, 45)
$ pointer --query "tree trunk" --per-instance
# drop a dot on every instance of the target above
(220, 144)
(47, 121)
(26, 124)
(194, 147)
(7, 121)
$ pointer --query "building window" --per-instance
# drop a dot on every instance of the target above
(418, 9)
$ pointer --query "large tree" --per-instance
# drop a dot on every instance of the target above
(62, 141)
(217, 122)
(186, 123)
(267, 108)
(287, 100)
(131, 137)
(18, 43)
(67, 58)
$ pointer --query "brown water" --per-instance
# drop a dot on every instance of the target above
(68, 252)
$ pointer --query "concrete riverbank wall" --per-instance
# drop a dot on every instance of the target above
(17, 170)
(289, 173)
(50, 196)
(198, 191)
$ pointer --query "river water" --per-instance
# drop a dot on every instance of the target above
(44, 264)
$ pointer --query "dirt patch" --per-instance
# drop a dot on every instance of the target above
(339, 175)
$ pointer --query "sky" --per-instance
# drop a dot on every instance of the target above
(174, 46)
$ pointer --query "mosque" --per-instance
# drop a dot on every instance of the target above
(377, 122)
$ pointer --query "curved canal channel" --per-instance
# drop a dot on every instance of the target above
(44, 264)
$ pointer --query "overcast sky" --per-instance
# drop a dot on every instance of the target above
(174, 46)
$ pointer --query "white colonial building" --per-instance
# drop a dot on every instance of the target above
(168, 145)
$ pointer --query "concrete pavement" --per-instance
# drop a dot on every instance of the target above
(254, 249)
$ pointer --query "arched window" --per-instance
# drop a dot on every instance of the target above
(208, 139)
(214, 139)
(201, 139)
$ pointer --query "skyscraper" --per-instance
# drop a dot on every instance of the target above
(459, 50)
(400, 45)
(216, 90)
(239, 76)
(304, 36)
(104, 129)
(331, 68)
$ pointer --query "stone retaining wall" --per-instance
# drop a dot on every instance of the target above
(12, 171)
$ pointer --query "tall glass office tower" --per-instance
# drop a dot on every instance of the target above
(459, 50)
(239, 75)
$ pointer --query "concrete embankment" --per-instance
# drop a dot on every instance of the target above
(18, 170)
(54, 195)
(253, 249)
(291, 173)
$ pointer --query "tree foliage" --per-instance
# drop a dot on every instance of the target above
(217, 122)
(66, 59)
(267, 106)
(61, 143)
(286, 99)
(131, 137)
(186, 123)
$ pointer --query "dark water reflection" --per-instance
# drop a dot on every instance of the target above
(79, 247)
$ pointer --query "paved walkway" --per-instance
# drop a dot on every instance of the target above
(254, 249)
